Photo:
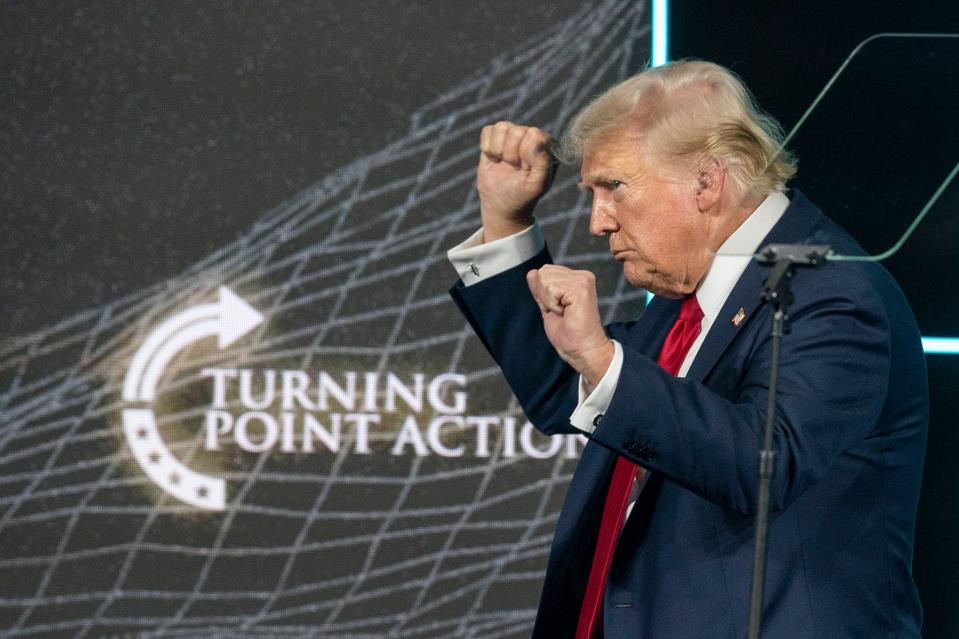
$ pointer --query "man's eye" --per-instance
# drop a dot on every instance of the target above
(615, 184)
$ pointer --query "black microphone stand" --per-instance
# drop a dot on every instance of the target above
(784, 259)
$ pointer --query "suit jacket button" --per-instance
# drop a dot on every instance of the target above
(597, 419)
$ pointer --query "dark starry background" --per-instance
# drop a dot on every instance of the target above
(137, 137)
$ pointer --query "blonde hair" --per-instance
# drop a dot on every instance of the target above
(689, 112)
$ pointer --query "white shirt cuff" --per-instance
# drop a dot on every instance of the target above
(476, 261)
(591, 407)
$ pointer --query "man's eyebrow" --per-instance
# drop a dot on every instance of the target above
(601, 179)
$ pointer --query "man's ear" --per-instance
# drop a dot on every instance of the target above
(712, 180)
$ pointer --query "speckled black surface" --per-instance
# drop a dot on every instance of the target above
(137, 137)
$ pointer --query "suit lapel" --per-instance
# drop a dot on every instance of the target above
(794, 226)
(746, 295)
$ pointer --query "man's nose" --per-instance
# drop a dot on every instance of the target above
(601, 219)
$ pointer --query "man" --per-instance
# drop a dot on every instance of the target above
(687, 181)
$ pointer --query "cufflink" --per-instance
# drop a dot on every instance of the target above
(597, 419)
(474, 269)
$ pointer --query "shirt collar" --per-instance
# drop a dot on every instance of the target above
(735, 254)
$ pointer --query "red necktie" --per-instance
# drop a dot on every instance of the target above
(678, 342)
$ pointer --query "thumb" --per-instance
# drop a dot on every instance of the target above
(532, 280)
(536, 155)
(543, 169)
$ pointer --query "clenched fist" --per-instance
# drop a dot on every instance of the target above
(568, 301)
(515, 170)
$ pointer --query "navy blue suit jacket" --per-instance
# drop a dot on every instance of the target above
(850, 436)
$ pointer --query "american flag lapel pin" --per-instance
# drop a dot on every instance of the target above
(739, 317)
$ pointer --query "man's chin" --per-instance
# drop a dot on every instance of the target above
(668, 293)
(649, 282)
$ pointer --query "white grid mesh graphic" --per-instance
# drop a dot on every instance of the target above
(351, 275)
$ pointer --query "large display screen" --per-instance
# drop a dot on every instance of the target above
(296, 433)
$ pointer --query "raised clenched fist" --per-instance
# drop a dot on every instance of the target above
(568, 301)
(515, 170)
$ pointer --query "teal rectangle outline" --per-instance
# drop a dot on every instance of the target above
(659, 55)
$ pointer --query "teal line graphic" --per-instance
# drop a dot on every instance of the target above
(941, 345)
(659, 49)
(660, 35)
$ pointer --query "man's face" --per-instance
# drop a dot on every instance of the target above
(651, 217)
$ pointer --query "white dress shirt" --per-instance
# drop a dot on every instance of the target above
(475, 261)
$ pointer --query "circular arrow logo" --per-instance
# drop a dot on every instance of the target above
(229, 319)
